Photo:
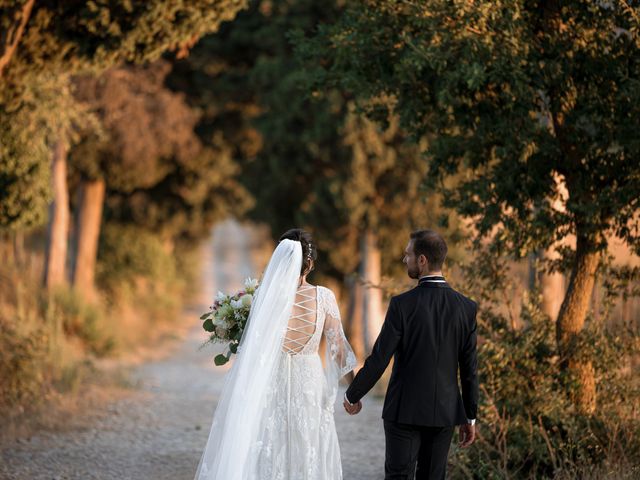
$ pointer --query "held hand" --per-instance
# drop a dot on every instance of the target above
(467, 435)
(352, 409)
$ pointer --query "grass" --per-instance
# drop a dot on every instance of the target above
(55, 345)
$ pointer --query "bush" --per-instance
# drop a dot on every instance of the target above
(128, 253)
(528, 426)
(83, 320)
(144, 280)
(22, 376)
(44, 342)
(48, 341)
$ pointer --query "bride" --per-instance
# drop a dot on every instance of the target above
(274, 419)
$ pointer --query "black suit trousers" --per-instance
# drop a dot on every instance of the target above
(407, 445)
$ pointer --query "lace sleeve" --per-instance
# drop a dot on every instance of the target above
(339, 355)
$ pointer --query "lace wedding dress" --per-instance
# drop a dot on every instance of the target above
(299, 438)
(274, 418)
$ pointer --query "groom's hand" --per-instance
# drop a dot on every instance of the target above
(467, 435)
(352, 409)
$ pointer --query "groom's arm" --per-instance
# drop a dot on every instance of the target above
(468, 362)
(383, 350)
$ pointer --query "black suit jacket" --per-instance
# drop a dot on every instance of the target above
(431, 333)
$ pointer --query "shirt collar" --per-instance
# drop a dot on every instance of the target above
(433, 281)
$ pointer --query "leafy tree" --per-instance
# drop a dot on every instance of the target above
(15, 18)
(149, 161)
(54, 40)
(518, 95)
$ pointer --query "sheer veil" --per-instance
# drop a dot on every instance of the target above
(237, 418)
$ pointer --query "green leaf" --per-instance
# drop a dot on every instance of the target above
(205, 315)
(233, 348)
(208, 325)
(220, 359)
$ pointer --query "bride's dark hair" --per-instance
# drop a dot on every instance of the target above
(309, 252)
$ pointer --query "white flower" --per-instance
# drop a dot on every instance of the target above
(221, 328)
(236, 304)
(250, 283)
(221, 297)
(246, 300)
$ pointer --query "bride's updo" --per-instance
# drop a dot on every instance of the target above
(309, 252)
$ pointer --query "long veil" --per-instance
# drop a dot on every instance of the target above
(239, 412)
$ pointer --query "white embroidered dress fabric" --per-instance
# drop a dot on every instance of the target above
(299, 439)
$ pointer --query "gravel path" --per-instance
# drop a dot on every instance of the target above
(159, 432)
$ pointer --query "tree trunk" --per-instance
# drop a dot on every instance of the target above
(595, 302)
(626, 308)
(372, 314)
(10, 38)
(571, 319)
(89, 218)
(532, 268)
(354, 319)
(372, 295)
(552, 285)
(5, 244)
(551, 288)
(56, 250)
(18, 249)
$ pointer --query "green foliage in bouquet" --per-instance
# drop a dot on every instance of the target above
(226, 320)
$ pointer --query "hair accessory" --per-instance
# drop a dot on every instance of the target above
(309, 251)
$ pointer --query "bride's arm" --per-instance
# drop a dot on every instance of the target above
(340, 359)
(349, 377)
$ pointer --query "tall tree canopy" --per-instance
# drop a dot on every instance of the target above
(314, 162)
(42, 44)
(158, 173)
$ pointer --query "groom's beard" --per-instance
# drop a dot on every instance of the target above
(413, 271)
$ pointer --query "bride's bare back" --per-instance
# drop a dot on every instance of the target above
(303, 322)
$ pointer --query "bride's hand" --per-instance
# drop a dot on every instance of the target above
(352, 409)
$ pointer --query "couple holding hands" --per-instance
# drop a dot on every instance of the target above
(274, 419)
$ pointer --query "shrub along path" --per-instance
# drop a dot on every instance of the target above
(159, 431)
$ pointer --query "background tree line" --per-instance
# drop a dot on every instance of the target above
(308, 161)
(95, 148)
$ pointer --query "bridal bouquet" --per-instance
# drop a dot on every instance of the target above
(226, 319)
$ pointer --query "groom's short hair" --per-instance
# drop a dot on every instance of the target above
(431, 245)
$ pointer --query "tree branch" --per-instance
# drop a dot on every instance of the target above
(12, 37)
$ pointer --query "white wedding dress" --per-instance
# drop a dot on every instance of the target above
(274, 420)
(299, 439)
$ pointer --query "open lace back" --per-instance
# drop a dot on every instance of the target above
(302, 324)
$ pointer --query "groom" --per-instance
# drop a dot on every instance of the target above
(431, 333)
